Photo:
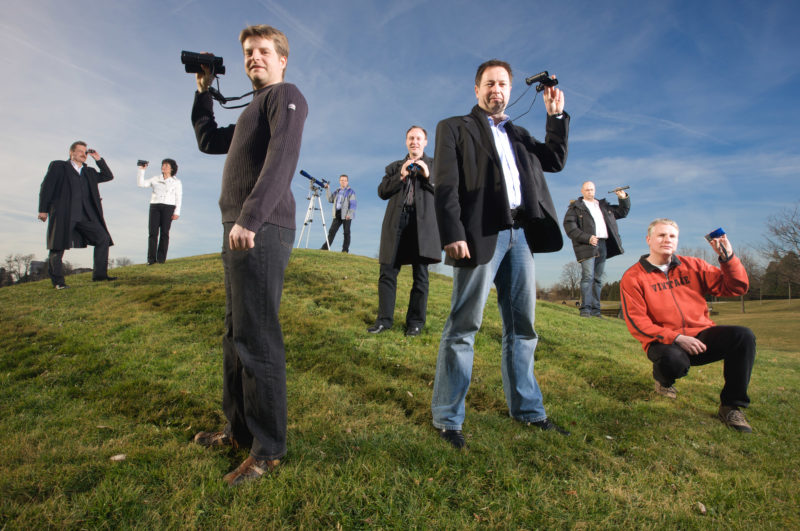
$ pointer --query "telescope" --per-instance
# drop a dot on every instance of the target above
(544, 80)
(321, 183)
(618, 189)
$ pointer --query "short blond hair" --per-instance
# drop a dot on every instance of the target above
(279, 40)
(661, 221)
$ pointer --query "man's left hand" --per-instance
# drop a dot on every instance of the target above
(553, 100)
(241, 239)
(621, 194)
(95, 155)
(691, 345)
(174, 217)
(718, 244)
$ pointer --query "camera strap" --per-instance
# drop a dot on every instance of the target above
(217, 95)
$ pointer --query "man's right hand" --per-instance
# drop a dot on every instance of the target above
(457, 250)
(42, 216)
(593, 241)
(204, 80)
(692, 345)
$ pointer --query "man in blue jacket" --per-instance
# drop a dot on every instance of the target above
(344, 210)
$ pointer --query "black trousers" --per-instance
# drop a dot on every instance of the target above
(160, 223)
(735, 345)
(335, 224)
(254, 357)
(406, 238)
(94, 233)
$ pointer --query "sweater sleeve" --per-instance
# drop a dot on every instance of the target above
(211, 138)
(634, 310)
(728, 280)
(286, 112)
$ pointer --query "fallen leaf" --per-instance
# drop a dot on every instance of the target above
(118, 457)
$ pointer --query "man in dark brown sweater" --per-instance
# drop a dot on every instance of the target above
(258, 213)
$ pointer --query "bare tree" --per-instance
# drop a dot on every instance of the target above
(782, 246)
(120, 262)
(571, 277)
(19, 265)
(783, 232)
(702, 252)
(754, 268)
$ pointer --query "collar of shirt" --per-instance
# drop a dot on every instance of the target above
(507, 161)
(78, 167)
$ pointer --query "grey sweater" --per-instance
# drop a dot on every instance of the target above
(263, 148)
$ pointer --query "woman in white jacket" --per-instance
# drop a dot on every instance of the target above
(165, 206)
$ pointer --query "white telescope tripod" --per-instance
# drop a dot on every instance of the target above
(313, 193)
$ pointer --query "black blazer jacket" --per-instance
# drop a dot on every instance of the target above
(470, 191)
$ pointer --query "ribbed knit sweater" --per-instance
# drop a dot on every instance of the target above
(263, 148)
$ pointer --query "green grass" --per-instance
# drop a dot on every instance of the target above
(134, 367)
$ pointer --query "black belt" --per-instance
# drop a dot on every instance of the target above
(409, 208)
(517, 217)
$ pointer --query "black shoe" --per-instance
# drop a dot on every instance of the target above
(60, 286)
(413, 331)
(548, 425)
(454, 437)
(103, 279)
(377, 329)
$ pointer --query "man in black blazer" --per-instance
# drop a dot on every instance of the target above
(409, 234)
(70, 199)
(494, 211)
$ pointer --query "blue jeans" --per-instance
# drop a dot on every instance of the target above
(254, 359)
(592, 280)
(512, 270)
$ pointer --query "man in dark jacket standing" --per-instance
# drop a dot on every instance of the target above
(592, 227)
(409, 234)
(494, 210)
(70, 199)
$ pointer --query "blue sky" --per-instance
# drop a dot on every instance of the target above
(692, 104)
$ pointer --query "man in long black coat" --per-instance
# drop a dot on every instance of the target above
(70, 200)
(409, 234)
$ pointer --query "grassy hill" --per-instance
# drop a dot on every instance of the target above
(134, 367)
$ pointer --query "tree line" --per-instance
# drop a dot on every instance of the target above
(20, 268)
